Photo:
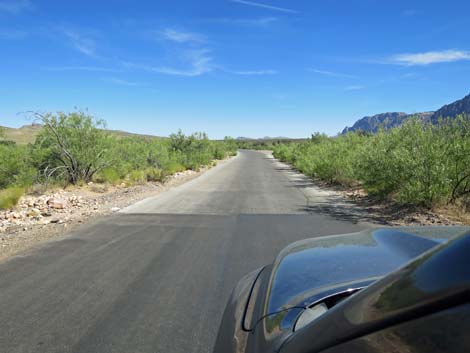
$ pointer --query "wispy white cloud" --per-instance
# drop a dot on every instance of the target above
(198, 62)
(255, 72)
(83, 44)
(13, 34)
(262, 21)
(81, 68)
(430, 57)
(120, 82)
(265, 6)
(354, 87)
(331, 73)
(15, 6)
(192, 58)
(182, 37)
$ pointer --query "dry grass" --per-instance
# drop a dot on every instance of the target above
(9, 197)
(459, 212)
(23, 135)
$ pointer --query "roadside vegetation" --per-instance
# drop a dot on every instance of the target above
(75, 149)
(265, 144)
(415, 164)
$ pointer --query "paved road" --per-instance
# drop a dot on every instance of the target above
(156, 277)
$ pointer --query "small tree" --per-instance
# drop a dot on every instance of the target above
(78, 145)
(179, 141)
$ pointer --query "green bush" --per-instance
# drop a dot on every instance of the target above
(15, 167)
(329, 159)
(154, 174)
(77, 144)
(219, 152)
(137, 177)
(108, 175)
(74, 148)
(416, 163)
(173, 167)
(10, 197)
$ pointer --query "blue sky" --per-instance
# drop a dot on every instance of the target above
(232, 67)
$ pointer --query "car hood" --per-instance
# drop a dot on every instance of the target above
(309, 270)
(266, 304)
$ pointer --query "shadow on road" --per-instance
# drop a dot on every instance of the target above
(347, 211)
(326, 201)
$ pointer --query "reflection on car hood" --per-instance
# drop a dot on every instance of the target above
(307, 270)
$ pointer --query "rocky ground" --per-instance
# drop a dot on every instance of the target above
(40, 217)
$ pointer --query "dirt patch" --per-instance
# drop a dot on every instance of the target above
(399, 215)
(37, 218)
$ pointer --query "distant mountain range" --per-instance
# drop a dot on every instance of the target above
(27, 134)
(390, 120)
(267, 138)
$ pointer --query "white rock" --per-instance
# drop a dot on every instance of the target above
(57, 203)
(34, 212)
(15, 215)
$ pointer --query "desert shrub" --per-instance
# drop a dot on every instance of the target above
(172, 167)
(137, 177)
(108, 175)
(416, 163)
(154, 174)
(192, 151)
(424, 170)
(74, 148)
(284, 153)
(457, 135)
(219, 151)
(9, 197)
(230, 146)
(77, 144)
(15, 166)
(330, 159)
(412, 164)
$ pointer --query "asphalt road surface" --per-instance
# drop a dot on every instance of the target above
(156, 277)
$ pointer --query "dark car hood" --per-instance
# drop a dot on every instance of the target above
(265, 306)
(308, 270)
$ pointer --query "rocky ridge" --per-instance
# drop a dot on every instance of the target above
(372, 124)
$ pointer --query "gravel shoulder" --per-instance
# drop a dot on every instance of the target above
(38, 218)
